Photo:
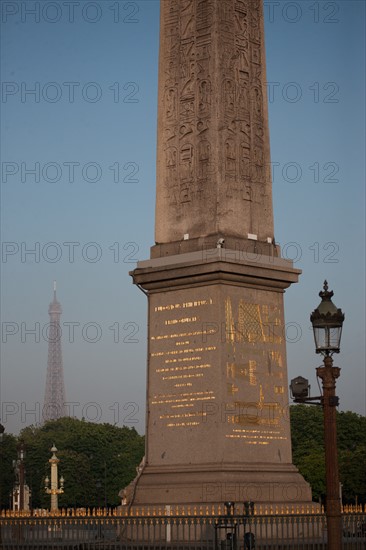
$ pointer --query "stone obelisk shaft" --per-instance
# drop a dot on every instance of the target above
(213, 162)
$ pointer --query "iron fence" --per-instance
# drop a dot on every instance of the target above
(257, 532)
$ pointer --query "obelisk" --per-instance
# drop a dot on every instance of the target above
(217, 422)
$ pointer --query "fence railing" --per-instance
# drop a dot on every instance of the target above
(199, 510)
(220, 532)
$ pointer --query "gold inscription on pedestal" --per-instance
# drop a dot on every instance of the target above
(183, 305)
(257, 437)
(181, 362)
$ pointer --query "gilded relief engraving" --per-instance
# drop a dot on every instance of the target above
(253, 323)
(254, 369)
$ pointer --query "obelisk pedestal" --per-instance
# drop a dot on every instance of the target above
(217, 424)
(217, 420)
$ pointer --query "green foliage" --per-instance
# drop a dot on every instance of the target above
(96, 460)
(307, 433)
(8, 452)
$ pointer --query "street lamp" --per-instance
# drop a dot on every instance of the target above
(327, 321)
(2, 430)
(21, 465)
(55, 489)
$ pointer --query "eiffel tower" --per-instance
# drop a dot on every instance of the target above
(54, 397)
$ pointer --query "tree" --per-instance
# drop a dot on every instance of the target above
(307, 433)
(8, 453)
(96, 460)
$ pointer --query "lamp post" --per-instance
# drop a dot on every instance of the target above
(327, 321)
(55, 489)
(21, 456)
(2, 430)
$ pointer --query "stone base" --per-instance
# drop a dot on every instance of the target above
(213, 484)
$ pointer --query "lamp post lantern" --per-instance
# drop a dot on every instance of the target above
(327, 321)
(54, 490)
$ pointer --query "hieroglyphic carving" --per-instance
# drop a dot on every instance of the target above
(230, 158)
(213, 100)
(171, 104)
(202, 126)
(187, 55)
(186, 162)
(258, 154)
(171, 37)
(204, 152)
(204, 98)
(255, 53)
(242, 56)
(171, 161)
(243, 96)
(241, 18)
(226, 16)
(204, 15)
(244, 158)
(257, 102)
(255, 27)
(229, 97)
(203, 44)
(187, 18)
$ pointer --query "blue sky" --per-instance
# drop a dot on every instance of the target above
(88, 132)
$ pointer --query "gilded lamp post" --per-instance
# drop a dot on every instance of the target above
(54, 490)
(327, 321)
